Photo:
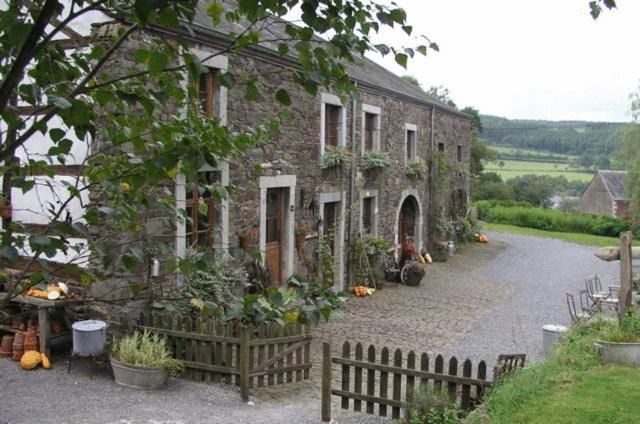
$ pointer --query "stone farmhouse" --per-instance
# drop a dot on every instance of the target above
(605, 195)
(293, 191)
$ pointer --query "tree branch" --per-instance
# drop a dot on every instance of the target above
(26, 53)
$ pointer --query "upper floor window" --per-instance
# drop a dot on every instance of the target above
(441, 147)
(459, 153)
(201, 210)
(332, 122)
(411, 144)
(370, 128)
(332, 125)
(207, 93)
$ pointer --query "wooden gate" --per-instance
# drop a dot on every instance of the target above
(214, 350)
(364, 383)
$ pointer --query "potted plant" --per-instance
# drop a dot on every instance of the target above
(622, 346)
(301, 234)
(143, 361)
(246, 238)
(372, 161)
(416, 168)
(336, 158)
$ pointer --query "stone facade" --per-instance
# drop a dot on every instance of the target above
(292, 159)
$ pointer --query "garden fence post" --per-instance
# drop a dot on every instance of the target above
(625, 274)
(326, 382)
(244, 363)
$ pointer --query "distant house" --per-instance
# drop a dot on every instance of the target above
(605, 195)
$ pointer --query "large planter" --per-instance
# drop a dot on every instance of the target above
(138, 377)
(620, 353)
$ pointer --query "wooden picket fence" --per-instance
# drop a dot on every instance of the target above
(218, 351)
(361, 378)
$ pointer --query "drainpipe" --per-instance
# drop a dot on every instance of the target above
(431, 180)
(352, 185)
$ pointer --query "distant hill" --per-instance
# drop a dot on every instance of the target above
(591, 142)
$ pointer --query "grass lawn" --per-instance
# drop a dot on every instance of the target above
(513, 151)
(604, 395)
(515, 168)
(570, 386)
(578, 238)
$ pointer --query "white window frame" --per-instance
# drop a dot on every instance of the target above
(279, 181)
(332, 99)
(369, 194)
(339, 240)
(414, 149)
(373, 110)
(221, 238)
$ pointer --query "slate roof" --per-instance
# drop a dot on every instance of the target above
(366, 71)
(614, 181)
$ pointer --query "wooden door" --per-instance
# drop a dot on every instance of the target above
(330, 218)
(407, 223)
(275, 233)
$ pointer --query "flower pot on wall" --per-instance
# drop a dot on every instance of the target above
(138, 377)
(5, 211)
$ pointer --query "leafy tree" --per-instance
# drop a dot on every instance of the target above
(412, 80)
(476, 121)
(489, 186)
(480, 154)
(141, 120)
(441, 93)
(533, 189)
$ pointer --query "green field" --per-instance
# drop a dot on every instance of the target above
(512, 151)
(577, 238)
(515, 168)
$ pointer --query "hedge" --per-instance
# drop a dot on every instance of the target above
(524, 215)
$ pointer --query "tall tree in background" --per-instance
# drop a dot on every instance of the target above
(412, 80)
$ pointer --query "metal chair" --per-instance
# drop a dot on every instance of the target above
(594, 288)
(576, 317)
(586, 306)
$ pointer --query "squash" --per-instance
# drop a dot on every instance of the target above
(46, 363)
(53, 295)
(30, 360)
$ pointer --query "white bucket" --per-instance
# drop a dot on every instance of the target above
(551, 334)
(89, 337)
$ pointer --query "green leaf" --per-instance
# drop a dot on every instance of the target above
(215, 11)
(401, 59)
(283, 49)
(251, 92)
(283, 97)
(135, 288)
(383, 49)
(129, 262)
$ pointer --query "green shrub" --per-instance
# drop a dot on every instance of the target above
(428, 407)
(336, 157)
(524, 215)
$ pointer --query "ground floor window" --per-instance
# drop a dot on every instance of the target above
(201, 210)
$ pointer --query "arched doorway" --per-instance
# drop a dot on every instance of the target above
(409, 224)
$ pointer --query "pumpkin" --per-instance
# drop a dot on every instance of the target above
(46, 363)
(30, 360)
(428, 258)
(360, 291)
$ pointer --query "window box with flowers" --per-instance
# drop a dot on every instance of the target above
(336, 158)
(416, 168)
(375, 161)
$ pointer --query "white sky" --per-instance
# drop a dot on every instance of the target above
(530, 59)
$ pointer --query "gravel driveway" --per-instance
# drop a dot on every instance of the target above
(488, 300)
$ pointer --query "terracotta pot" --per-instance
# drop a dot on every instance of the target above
(6, 348)
(18, 346)
(300, 240)
(5, 211)
(245, 243)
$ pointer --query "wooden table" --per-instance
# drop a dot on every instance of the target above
(43, 306)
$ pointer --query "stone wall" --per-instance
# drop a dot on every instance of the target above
(295, 150)
(596, 198)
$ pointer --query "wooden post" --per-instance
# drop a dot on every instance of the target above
(244, 363)
(625, 274)
(43, 324)
(326, 382)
